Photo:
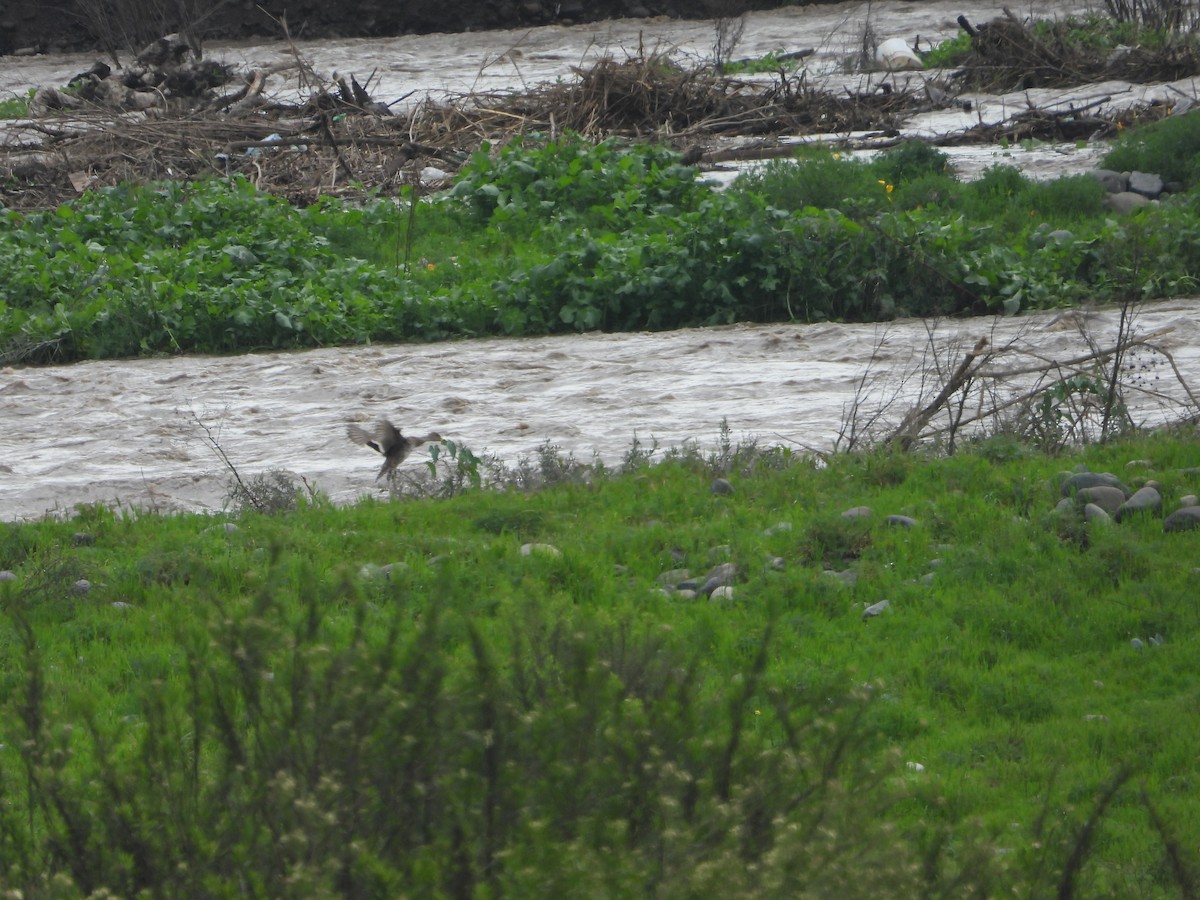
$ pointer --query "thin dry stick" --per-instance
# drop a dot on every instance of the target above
(215, 445)
(1092, 356)
(848, 432)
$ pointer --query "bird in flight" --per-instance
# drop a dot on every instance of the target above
(387, 439)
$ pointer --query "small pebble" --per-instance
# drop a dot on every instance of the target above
(901, 521)
(857, 512)
(82, 586)
(7, 575)
(725, 592)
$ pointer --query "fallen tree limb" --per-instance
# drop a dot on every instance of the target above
(912, 425)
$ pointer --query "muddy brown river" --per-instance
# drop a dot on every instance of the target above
(125, 431)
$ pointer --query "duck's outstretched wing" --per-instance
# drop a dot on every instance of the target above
(364, 437)
(383, 439)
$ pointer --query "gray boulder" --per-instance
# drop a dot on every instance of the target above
(1081, 480)
(1144, 500)
(674, 577)
(1125, 202)
(718, 576)
(1113, 182)
(1145, 184)
(875, 609)
(1185, 519)
(1105, 496)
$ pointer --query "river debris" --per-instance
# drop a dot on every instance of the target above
(1011, 54)
(174, 114)
(168, 74)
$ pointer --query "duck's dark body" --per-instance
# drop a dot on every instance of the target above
(387, 439)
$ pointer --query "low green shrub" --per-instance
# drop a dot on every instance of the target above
(1070, 199)
(819, 178)
(1169, 147)
(910, 161)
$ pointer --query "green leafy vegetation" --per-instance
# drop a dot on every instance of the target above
(770, 63)
(15, 107)
(543, 237)
(264, 709)
(949, 54)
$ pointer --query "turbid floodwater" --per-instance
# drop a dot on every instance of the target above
(127, 431)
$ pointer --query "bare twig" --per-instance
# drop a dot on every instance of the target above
(214, 443)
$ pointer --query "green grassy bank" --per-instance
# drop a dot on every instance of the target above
(257, 708)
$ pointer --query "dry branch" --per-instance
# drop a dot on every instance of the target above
(1004, 390)
(913, 423)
